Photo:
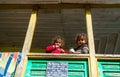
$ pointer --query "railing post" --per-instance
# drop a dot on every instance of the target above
(27, 44)
(92, 59)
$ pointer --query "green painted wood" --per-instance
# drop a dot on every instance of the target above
(109, 68)
(37, 68)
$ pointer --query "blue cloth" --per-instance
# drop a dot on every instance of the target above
(8, 63)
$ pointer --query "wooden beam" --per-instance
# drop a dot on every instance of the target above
(112, 57)
(30, 1)
(57, 6)
(27, 44)
(59, 1)
(57, 56)
(93, 61)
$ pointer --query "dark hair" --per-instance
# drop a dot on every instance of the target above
(58, 37)
(83, 36)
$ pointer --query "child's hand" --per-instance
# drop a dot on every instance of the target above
(63, 51)
(71, 50)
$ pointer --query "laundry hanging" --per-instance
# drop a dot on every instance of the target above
(8, 63)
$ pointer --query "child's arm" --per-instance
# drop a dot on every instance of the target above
(50, 48)
(63, 51)
(77, 52)
(85, 50)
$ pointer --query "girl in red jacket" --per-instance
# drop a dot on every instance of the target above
(56, 46)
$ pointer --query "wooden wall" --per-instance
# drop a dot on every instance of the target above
(59, 1)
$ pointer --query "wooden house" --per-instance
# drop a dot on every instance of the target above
(27, 26)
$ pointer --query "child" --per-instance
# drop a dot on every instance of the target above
(82, 47)
(56, 46)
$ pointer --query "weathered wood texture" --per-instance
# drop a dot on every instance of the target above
(59, 1)
(92, 59)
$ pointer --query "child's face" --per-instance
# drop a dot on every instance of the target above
(58, 42)
(81, 41)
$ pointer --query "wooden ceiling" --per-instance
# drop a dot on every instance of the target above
(64, 22)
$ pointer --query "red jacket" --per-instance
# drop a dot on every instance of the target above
(54, 49)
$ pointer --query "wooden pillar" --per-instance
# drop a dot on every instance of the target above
(27, 44)
(92, 60)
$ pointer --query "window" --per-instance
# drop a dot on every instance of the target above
(106, 30)
(64, 22)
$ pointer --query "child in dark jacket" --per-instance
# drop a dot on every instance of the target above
(82, 45)
(56, 46)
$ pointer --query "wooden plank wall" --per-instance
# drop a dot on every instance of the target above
(59, 1)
